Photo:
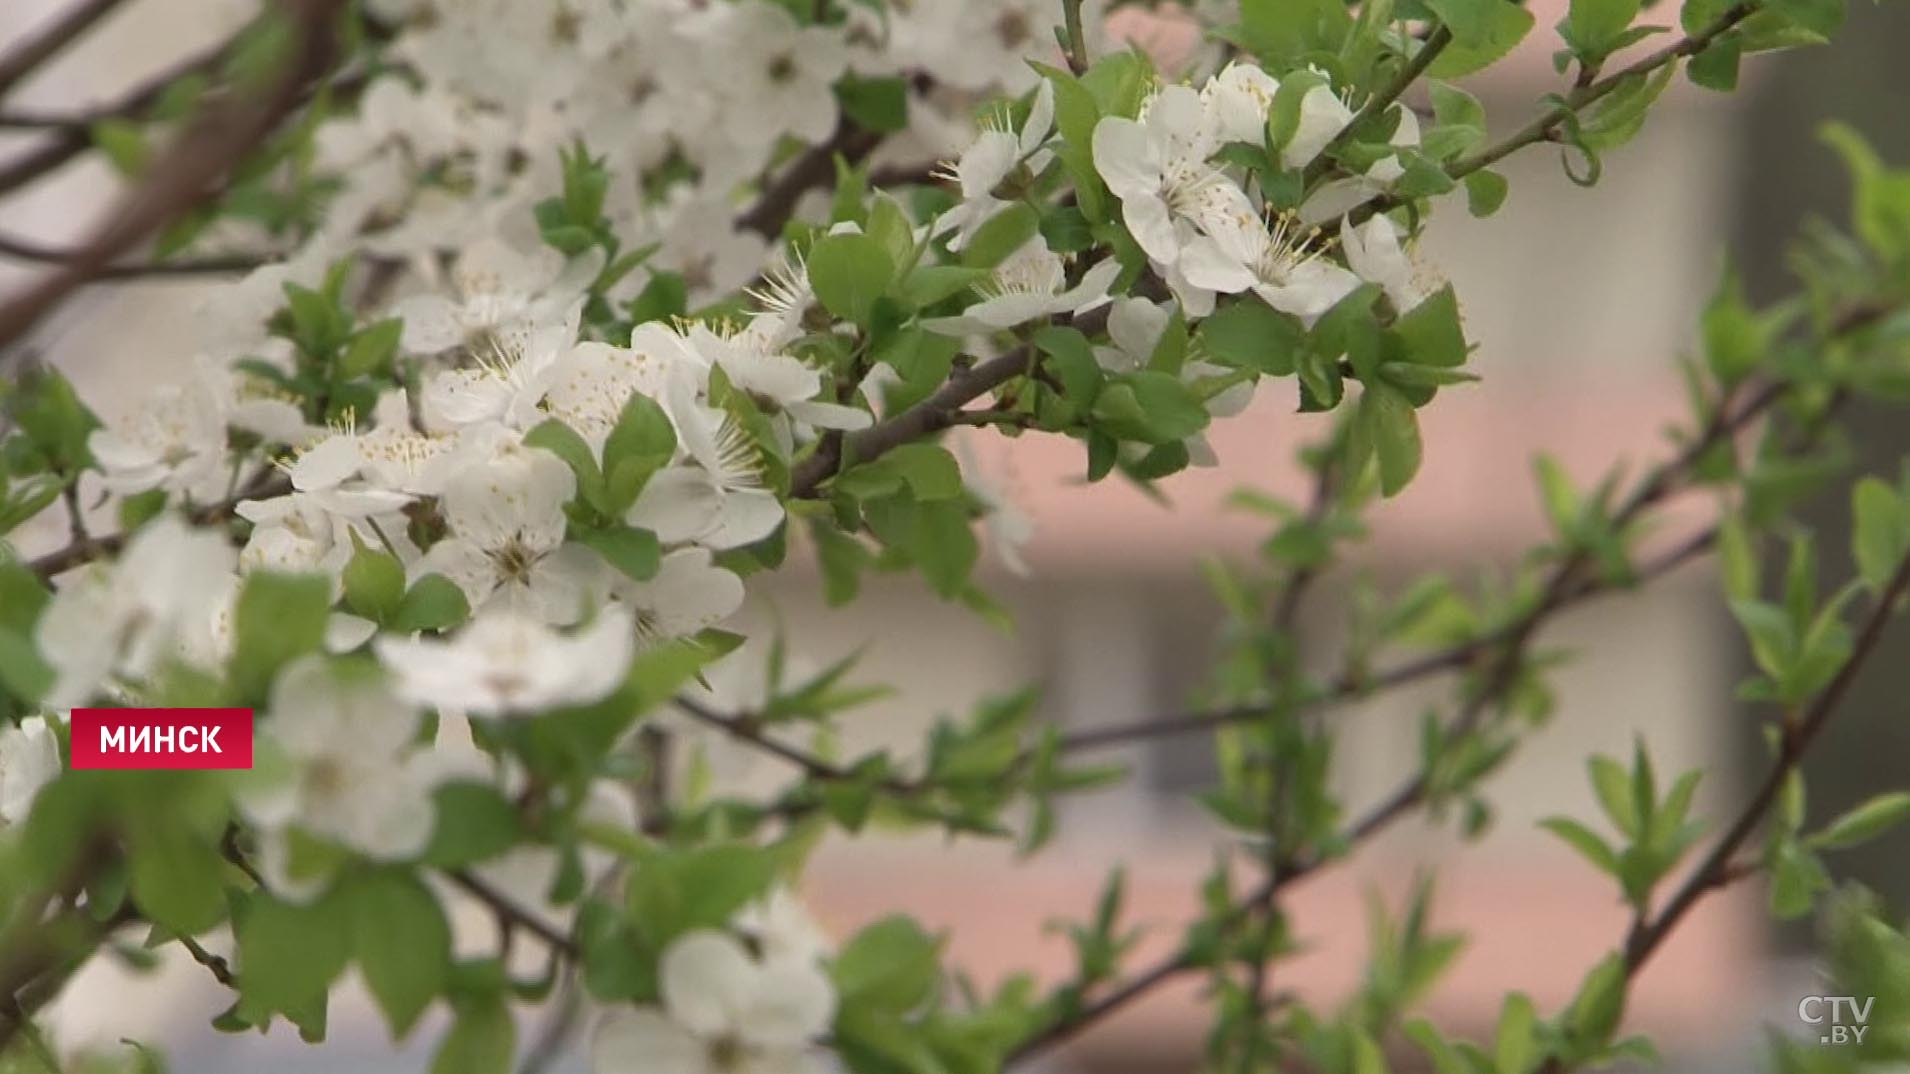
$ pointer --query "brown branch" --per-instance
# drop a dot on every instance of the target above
(508, 911)
(812, 168)
(26, 57)
(26, 250)
(269, 483)
(191, 170)
(74, 133)
(939, 411)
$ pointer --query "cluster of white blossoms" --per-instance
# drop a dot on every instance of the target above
(752, 997)
(1193, 216)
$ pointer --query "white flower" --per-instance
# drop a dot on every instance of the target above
(1337, 197)
(1158, 167)
(1322, 117)
(782, 928)
(1374, 252)
(994, 155)
(1238, 100)
(505, 510)
(505, 662)
(500, 387)
(175, 440)
(356, 473)
(754, 366)
(1028, 285)
(718, 500)
(357, 776)
(589, 386)
(502, 296)
(126, 619)
(1279, 264)
(723, 1012)
(696, 238)
(779, 76)
(687, 594)
(294, 533)
(29, 760)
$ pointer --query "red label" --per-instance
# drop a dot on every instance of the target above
(162, 738)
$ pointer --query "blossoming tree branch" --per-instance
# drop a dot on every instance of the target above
(545, 329)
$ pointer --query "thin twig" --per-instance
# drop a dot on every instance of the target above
(506, 910)
(25, 58)
(25, 250)
(814, 167)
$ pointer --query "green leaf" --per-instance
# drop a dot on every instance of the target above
(289, 955)
(928, 470)
(1253, 335)
(1716, 67)
(278, 617)
(1004, 233)
(876, 104)
(433, 602)
(483, 1040)
(1149, 406)
(474, 823)
(1594, 26)
(643, 434)
(1485, 192)
(123, 143)
(849, 272)
(371, 349)
(1071, 358)
(634, 552)
(700, 887)
(1864, 823)
(1516, 1046)
(1493, 27)
(562, 441)
(1388, 421)
(1880, 537)
(1735, 337)
(402, 942)
(944, 545)
(176, 874)
(1595, 1012)
(1432, 331)
(1613, 786)
(1585, 841)
(892, 965)
(374, 582)
(1797, 878)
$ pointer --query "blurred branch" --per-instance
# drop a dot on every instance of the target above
(506, 910)
(192, 169)
(74, 133)
(26, 250)
(26, 57)
(814, 167)
(267, 484)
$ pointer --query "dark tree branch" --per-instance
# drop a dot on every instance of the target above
(193, 169)
(25, 250)
(814, 167)
(55, 37)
